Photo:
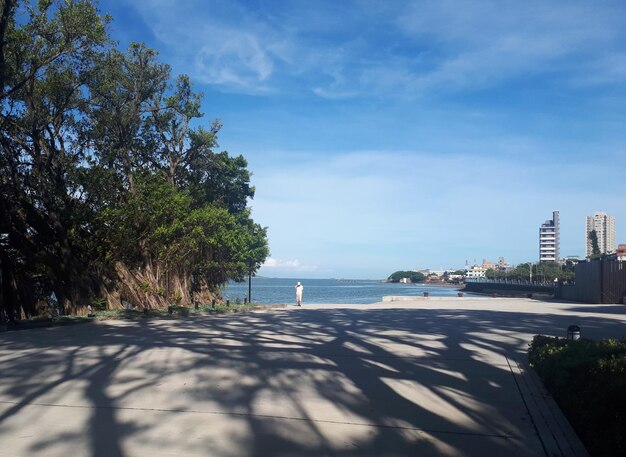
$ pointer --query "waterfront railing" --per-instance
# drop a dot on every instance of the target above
(520, 282)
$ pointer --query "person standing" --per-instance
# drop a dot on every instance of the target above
(299, 289)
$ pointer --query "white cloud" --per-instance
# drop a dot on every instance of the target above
(239, 61)
(480, 44)
(369, 49)
(371, 210)
(292, 265)
(277, 263)
(222, 45)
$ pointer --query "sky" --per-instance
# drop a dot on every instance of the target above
(399, 135)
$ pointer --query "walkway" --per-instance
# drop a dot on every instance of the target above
(427, 378)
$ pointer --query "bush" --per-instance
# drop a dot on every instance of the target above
(182, 310)
(99, 303)
(414, 276)
(588, 381)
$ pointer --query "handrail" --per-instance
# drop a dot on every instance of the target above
(521, 282)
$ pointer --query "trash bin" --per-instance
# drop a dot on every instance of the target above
(426, 294)
(573, 332)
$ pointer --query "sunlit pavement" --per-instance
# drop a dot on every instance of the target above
(424, 378)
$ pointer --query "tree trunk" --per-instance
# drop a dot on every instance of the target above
(8, 295)
(147, 287)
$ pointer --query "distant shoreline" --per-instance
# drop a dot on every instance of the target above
(429, 284)
(330, 291)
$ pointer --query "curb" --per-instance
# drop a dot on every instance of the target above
(557, 436)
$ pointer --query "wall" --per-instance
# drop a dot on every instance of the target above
(506, 288)
(598, 281)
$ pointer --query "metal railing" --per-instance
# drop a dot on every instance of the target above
(521, 282)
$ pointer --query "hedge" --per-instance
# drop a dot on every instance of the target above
(588, 381)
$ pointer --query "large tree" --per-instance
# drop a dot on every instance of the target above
(47, 59)
(595, 247)
(110, 183)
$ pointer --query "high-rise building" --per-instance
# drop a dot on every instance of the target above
(604, 226)
(549, 239)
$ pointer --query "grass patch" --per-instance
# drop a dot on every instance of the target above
(42, 322)
(177, 311)
(588, 381)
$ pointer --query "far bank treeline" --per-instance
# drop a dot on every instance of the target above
(413, 276)
(110, 183)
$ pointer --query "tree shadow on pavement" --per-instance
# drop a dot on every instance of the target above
(342, 382)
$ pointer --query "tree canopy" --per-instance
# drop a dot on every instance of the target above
(111, 185)
(595, 248)
(543, 271)
(413, 276)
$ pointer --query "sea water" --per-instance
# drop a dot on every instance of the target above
(316, 291)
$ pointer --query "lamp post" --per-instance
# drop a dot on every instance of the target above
(250, 282)
(573, 333)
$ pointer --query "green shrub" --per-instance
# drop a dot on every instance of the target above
(99, 303)
(182, 310)
(588, 381)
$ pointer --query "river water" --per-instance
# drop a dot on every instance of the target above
(320, 291)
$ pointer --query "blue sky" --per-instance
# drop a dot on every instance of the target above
(395, 135)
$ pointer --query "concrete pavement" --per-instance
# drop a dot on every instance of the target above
(425, 377)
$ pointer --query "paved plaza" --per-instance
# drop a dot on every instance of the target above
(412, 378)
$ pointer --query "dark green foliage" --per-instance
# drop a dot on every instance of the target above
(46, 60)
(414, 276)
(595, 248)
(588, 381)
(167, 228)
(544, 271)
(110, 185)
(99, 303)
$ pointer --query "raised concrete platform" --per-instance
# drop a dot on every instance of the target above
(408, 298)
(423, 378)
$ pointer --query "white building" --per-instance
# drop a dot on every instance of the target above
(475, 272)
(549, 239)
(604, 225)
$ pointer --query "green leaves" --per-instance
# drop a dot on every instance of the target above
(544, 271)
(412, 276)
(161, 223)
(587, 379)
(105, 166)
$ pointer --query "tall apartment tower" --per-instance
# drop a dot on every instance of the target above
(604, 225)
(549, 239)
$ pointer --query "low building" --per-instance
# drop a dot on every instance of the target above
(476, 272)
(501, 265)
(571, 260)
(434, 278)
(456, 278)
